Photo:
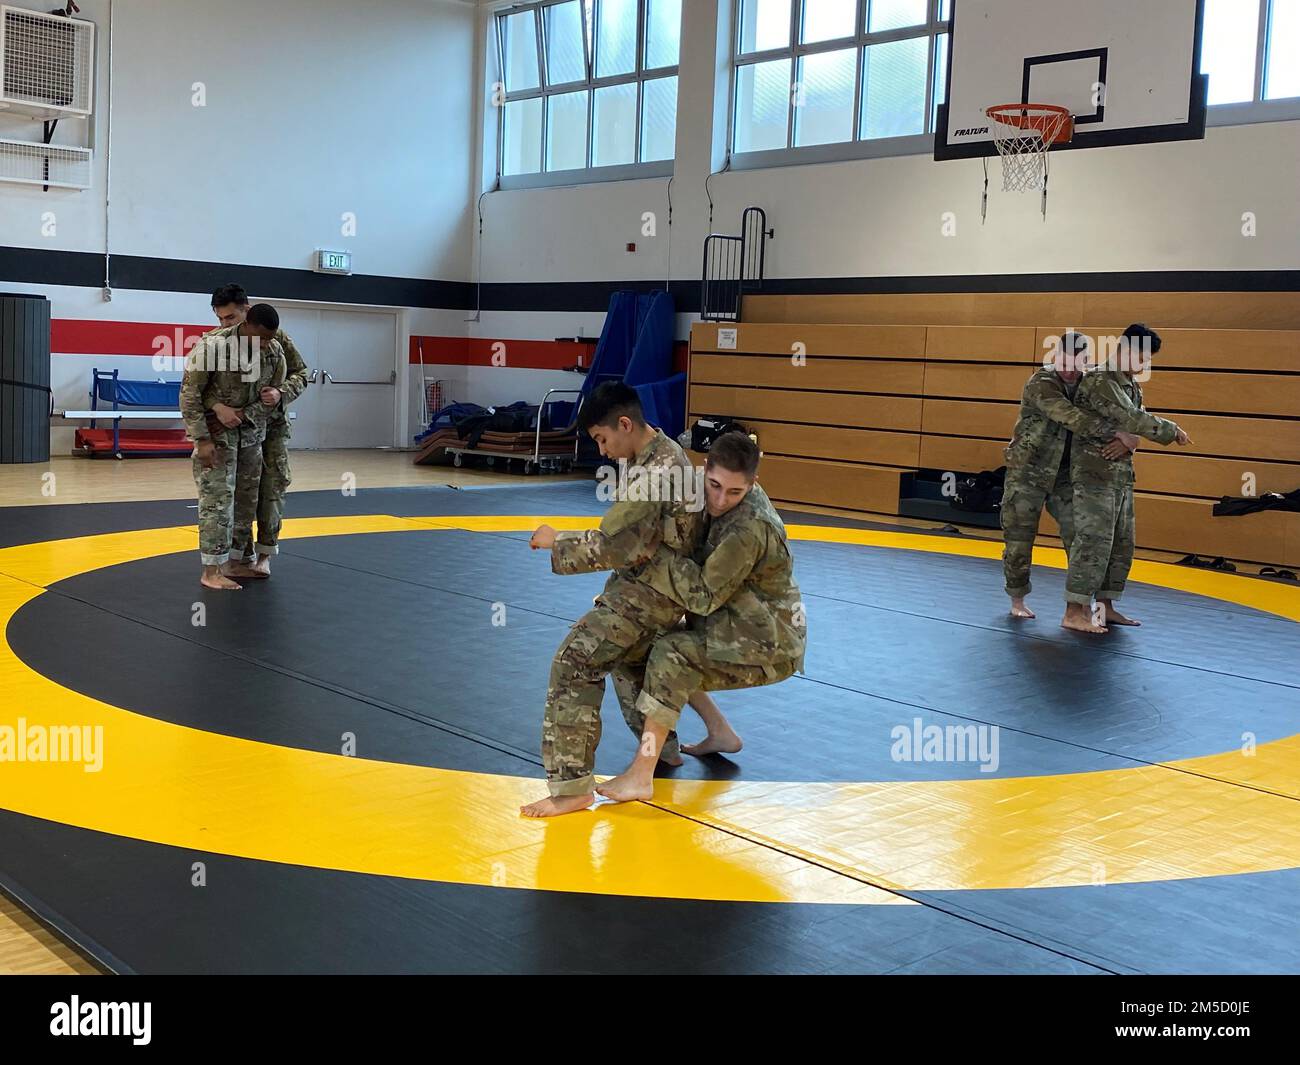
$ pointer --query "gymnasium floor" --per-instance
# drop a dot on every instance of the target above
(1129, 804)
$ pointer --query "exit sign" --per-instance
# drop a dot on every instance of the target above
(333, 262)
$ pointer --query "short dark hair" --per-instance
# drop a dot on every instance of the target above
(1073, 343)
(735, 451)
(231, 293)
(1148, 337)
(607, 404)
(265, 315)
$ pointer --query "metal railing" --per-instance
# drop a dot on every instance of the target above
(734, 266)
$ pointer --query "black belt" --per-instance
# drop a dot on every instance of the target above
(24, 384)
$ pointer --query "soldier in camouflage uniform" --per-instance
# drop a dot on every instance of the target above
(253, 559)
(1038, 461)
(721, 737)
(226, 418)
(629, 614)
(747, 621)
(1102, 551)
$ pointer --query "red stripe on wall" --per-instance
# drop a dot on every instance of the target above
(521, 354)
(75, 336)
(90, 337)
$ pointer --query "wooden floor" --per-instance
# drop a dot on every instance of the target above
(75, 479)
(28, 949)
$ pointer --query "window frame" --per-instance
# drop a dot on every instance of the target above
(1283, 109)
(1258, 109)
(857, 148)
(639, 75)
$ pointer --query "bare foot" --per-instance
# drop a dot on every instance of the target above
(238, 569)
(1114, 617)
(672, 758)
(715, 743)
(262, 567)
(1019, 610)
(218, 582)
(627, 788)
(555, 805)
(1082, 623)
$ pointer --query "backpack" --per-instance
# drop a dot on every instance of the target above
(981, 493)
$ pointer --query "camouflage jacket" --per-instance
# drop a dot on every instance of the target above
(295, 377)
(213, 375)
(742, 581)
(629, 533)
(1047, 417)
(1116, 398)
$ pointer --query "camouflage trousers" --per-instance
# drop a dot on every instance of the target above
(269, 501)
(679, 665)
(1022, 508)
(627, 677)
(599, 641)
(227, 493)
(1102, 553)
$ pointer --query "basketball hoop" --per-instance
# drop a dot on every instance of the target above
(1023, 135)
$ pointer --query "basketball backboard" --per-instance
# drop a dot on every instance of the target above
(1128, 70)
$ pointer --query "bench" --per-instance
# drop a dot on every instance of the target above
(155, 401)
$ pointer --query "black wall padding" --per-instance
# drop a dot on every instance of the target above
(24, 378)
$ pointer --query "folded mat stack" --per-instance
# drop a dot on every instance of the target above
(508, 431)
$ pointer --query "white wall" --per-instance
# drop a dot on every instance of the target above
(313, 108)
(317, 107)
(1175, 206)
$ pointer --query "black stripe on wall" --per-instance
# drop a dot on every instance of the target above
(130, 271)
(580, 295)
(1111, 281)
(85, 270)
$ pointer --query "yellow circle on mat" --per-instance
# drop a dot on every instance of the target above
(757, 841)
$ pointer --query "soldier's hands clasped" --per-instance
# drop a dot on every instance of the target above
(230, 417)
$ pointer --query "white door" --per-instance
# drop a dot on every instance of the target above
(357, 401)
(303, 326)
(351, 358)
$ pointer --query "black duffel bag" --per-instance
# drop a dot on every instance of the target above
(981, 493)
(709, 428)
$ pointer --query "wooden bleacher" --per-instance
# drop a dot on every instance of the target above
(879, 399)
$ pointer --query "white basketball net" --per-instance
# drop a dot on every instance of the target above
(1024, 151)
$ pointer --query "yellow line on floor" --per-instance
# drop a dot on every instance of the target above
(202, 791)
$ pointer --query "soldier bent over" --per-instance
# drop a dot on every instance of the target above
(628, 614)
(747, 625)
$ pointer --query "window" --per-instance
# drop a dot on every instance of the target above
(589, 89)
(815, 73)
(1244, 48)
